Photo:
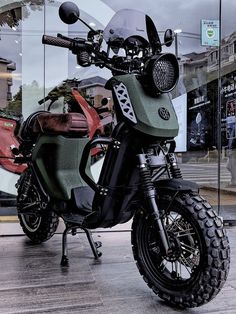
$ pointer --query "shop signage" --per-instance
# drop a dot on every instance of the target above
(200, 119)
(228, 110)
(210, 33)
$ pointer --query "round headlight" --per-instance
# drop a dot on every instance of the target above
(161, 73)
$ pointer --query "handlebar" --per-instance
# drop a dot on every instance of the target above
(43, 100)
(56, 41)
(77, 46)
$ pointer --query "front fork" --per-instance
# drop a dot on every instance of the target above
(173, 168)
(150, 191)
(150, 195)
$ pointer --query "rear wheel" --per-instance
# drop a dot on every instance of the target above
(38, 224)
(198, 265)
(39, 229)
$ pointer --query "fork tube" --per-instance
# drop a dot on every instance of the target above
(150, 195)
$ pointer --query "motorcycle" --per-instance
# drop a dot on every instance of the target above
(178, 241)
(9, 124)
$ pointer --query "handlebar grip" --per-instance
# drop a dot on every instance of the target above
(43, 100)
(55, 41)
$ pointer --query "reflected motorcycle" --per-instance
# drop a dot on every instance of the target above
(99, 124)
(178, 241)
(9, 125)
(73, 101)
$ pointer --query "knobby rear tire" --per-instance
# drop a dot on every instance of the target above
(44, 226)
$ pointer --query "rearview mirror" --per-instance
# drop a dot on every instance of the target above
(69, 12)
(168, 37)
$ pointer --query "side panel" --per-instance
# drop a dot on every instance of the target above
(120, 176)
(56, 159)
(147, 108)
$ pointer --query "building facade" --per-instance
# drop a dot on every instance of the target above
(6, 69)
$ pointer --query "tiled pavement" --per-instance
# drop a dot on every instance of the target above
(32, 280)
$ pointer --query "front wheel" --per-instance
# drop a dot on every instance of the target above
(198, 265)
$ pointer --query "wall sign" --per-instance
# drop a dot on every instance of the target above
(210, 33)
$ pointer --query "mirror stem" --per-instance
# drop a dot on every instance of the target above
(94, 32)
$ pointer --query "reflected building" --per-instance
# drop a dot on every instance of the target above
(6, 68)
(198, 69)
(228, 55)
(94, 90)
(192, 70)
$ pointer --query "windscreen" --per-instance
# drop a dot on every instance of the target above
(128, 23)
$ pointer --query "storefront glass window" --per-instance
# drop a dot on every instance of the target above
(30, 70)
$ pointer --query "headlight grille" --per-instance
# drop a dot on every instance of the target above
(161, 73)
(164, 74)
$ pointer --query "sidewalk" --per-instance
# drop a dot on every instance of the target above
(227, 208)
(225, 188)
(32, 280)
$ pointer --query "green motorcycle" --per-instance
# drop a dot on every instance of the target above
(178, 241)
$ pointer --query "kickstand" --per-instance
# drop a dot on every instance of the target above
(94, 245)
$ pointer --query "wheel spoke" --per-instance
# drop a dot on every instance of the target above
(173, 223)
(180, 270)
(176, 226)
(174, 218)
(176, 269)
(163, 265)
(188, 248)
(184, 234)
(185, 263)
(185, 230)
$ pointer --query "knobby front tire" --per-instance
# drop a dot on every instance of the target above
(199, 265)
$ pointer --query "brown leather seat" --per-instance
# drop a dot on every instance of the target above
(70, 124)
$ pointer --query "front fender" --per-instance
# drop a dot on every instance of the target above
(176, 185)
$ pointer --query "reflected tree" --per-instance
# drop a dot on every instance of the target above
(16, 103)
(11, 14)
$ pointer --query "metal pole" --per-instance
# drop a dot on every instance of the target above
(44, 55)
(219, 111)
(176, 45)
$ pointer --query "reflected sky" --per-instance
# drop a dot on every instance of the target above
(175, 14)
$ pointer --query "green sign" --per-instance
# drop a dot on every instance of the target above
(9, 124)
(210, 33)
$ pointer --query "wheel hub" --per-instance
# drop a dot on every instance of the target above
(175, 249)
